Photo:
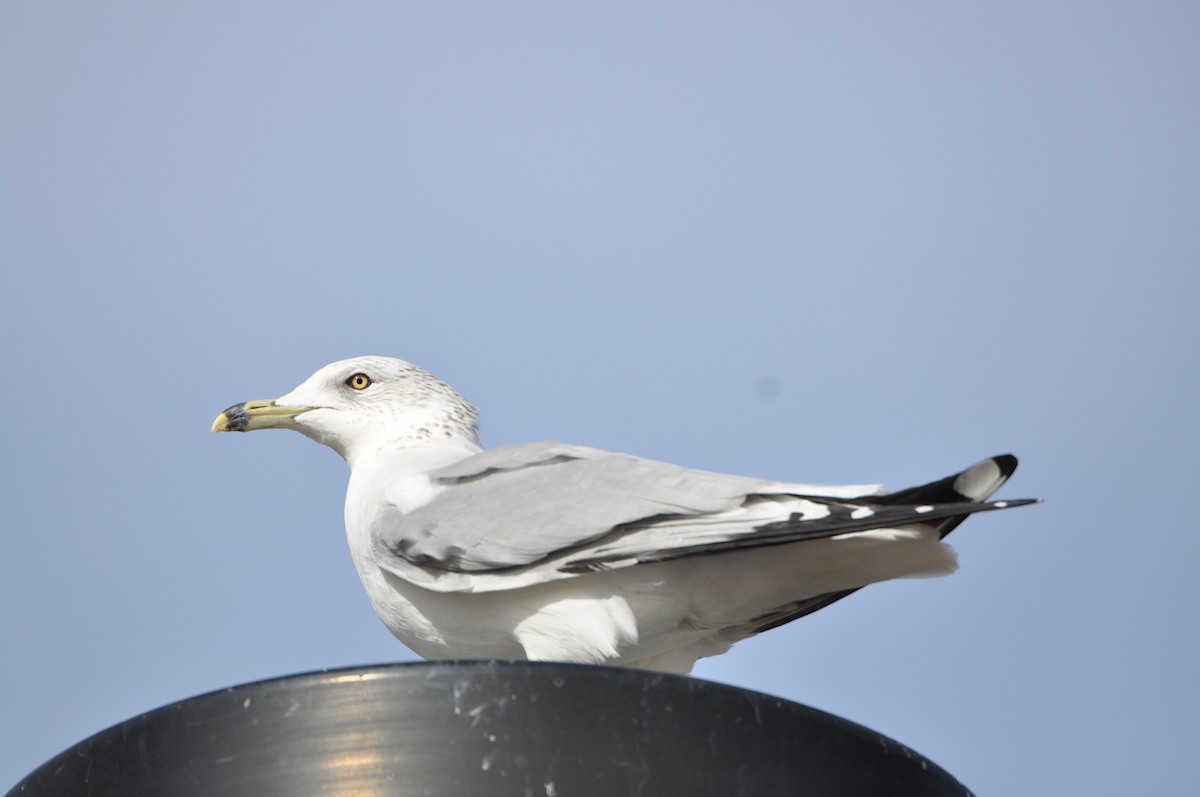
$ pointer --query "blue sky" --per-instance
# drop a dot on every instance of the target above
(807, 242)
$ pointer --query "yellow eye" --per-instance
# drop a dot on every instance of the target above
(359, 381)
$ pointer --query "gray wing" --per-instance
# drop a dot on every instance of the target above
(520, 505)
(532, 513)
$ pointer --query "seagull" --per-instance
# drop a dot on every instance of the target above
(557, 552)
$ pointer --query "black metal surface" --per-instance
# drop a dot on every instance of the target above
(490, 728)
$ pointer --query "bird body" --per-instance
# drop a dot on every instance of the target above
(552, 551)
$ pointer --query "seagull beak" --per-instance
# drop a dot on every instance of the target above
(251, 415)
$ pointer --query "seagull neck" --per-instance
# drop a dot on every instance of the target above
(389, 464)
(415, 458)
(400, 477)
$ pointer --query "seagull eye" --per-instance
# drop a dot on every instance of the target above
(359, 381)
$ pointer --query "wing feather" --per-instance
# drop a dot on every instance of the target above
(582, 510)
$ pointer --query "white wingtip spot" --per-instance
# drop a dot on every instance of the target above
(861, 512)
(1001, 504)
(979, 481)
(923, 508)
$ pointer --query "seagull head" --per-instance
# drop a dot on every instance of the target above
(362, 406)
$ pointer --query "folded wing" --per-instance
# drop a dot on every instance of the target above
(538, 512)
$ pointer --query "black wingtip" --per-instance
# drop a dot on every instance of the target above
(975, 483)
(1007, 464)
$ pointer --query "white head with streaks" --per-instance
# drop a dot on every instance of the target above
(363, 405)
